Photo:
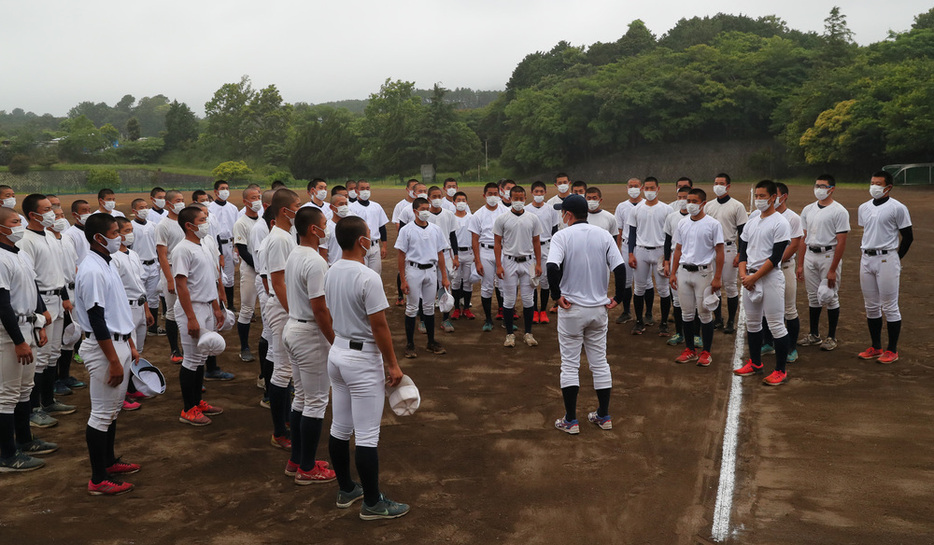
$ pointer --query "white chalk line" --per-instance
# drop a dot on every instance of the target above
(724, 506)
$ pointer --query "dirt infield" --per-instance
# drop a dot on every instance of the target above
(841, 454)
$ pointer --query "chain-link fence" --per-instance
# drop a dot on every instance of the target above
(71, 182)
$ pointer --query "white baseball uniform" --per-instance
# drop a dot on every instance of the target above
(550, 219)
(880, 267)
(517, 233)
(421, 245)
(18, 278)
(461, 278)
(144, 244)
(130, 269)
(197, 263)
(44, 249)
(276, 249)
(225, 217)
(731, 214)
(481, 224)
(241, 235)
(760, 235)
(623, 210)
(649, 222)
(168, 234)
(821, 225)
(258, 235)
(375, 217)
(698, 240)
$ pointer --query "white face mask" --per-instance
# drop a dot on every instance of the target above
(343, 210)
(48, 219)
(352, 193)
(178, 207)
(424, 215)
(321, 194)
(593, 205)
(821, 193)
(538, 199)
(142, 213)
(693, 208)
(461, 206)
(257, 206)
(369, 243)
(128, 239)
(564, 188)
(364, 194)
(9, 202)
(492, 200)
(518, 206)
(60, 225)
(112, 244)
(877, 191)
(762, 205)
(83, 218)
(110, 205)
(223, 194)
(202, 230)
(681, 204)
(158, 203)
(411, 194)
(451, 191)
(719, 190)
(650, 195)
(634, 192)
(16, 233)
(422, 196)
(436, 203)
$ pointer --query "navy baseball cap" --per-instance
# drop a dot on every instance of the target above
(575, 204)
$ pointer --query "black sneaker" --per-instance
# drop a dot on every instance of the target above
(663, 330)
(639, 328)
(623, 318)
(649, 321)
(730, 328)
(385, 508)
(410, 351)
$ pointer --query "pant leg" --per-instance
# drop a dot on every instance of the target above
(139, 332)
(309, 349)
(247, 293)
(791, 290)
(151, 284)
(428, 290)
(509, 284)
(341, 406)
(594, 330)
(773, 302)
(365, 380)
(227, 252)
(661, 282)
(570, 342)
(106, 400)
(16, 379)
(193, 357)
(688, 284)
(282, 369)
(643, 277)
(890, 271)
(730, 273)
(488, 260)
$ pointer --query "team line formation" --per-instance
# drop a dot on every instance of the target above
(91, 291)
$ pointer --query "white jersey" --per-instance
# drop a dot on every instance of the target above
(155, 217)
(304, 281)
(225, 216)
(794, 221)
(448, 205)
(69, 260)
(353, 292)
(881, 224)
(551, 204)
(699, 239)
(196, 263)
(169, 233)
(549, 218)
(400, 208)
(671, 226)
(760, 235)
(649, 222)
(586, 253)
(603, 219)
(421, 244)
(824, 223)
(74, 236)
(44, 251)
(517, 232)
(623, 210)
(18, 276)
(98, 283)
(481, 223)
(144, 240)
(447, 222)
(374, 215)
(242, 228)
(324, 208)
(464, 237)
(257, 236)
(115, 213)
(730, 213)
(330, 242)
(276, 249)
(130, 268)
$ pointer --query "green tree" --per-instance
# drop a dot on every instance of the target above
(268, 124)
(390, 128)
(839, 47)
(181, 126)
(231, 170)
(81, 140)
(324, 145)
(132, 129)
(101, 178)
(110, 134)
(19, 164)
(227, 115)
(924, 20)
(151, 111)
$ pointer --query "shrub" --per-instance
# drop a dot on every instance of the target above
(100, 178)
(231, 170)
(19, 164)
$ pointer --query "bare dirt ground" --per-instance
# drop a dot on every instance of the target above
(841, 454)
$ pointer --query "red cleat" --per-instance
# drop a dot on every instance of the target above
(133, 396)
(776, 378)
(687, 356)
(704, 359)
(870, 353)
(455, 314)
(130, 405)
(209, 410)
(108, 488)
(318, 474)
(469, 315)
(535, 317)
(748, 369)
(282, 442)
(543, 318)
(888, 357)
(291, 468)
(120, 467)
(499, 314)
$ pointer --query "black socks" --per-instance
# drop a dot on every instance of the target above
(295, 423)
(527, 315)
(339, 451)
(687, 328)
(311, 435)
(732, 305)
(639, 304)
(666, 309)
(781, 352)
(569, 393)
(171, 332)
(367, 459)
(679, 321)
(410, 329)
(278, 408)
(875, 332)
(508, 313)
(243, 331)
(755, 347)
(487, 304)
(187, 381)
(229, 292)
(833, 318)
(707, 335)
(603, 398)
(430, 327)
(7, 435)
(649, 300)
(21, 413)
(895, 329)
(97, 453)
(814, 320)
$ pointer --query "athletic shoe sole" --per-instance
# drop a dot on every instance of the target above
(193, 423)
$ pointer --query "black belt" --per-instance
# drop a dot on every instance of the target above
(51, 292)
(729, 243)
(689, 267)
(752, 271)
(422, 266)
(71, 285)
(355, 345)
(463, 248)
(149, 262)
(877, 252)
(115, 336)
(223, 240)
(140, 301)
(519, 259)
(487, 246)
(819, 249)
(27, 319)
(650, 247)
(299, 320)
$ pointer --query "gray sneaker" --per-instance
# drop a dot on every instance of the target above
(37, 446)
(41, 419)
(346, 499)
(623, 318)
(385, 508)
(21, 462)
(246, 355)
(810, 340)
(59, 409)
(829, 344)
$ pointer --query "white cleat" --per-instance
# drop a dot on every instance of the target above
(530, 340)
(510, 341)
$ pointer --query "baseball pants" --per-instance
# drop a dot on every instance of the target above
(879, 279)
(730, 274)
(248, 293)
(16, 379)
(791, 290)
(647, 268)
(771, 306)
(423, 284)
(543, 279)
(170, 299)
(262, 297)
(358, 386)
(71, 297)
(488, 280)
(151, 277)
(47, 356)
(373, 259)
(308, 355)
(583, 327)
(139, 332)
(193, 357)
(277, 318)
(461, 278)
(517, 276)
(630, 272)
(691, 286)
(106, 401)
(816, 267)
(228, 270)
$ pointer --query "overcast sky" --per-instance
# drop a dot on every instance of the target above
(56, 54)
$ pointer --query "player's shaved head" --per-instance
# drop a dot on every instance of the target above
(6, 214)
(348, 230)
(284, 198)
(306, 217)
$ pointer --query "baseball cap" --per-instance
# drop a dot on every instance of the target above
(229, 320)
(711, 299)
(404, 399)
(71, 334)
(212, 343)
(755, 294)
(575, 204)
(147, 378)
(824, 293)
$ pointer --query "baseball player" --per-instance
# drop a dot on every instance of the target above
(792, 323)
(825, 224)
(107, 203)
(44, 250)
(762, 246)
(623, 209)
(351, 186)
(318, 196)
(157, 197)
(65, 381)
(144, 244)
(683, 182)
(679, 212)
(307, 338)
(276, 249)
(358, 365)
(421, 246)
(131, 268)
(444, 219)
(698, 249)
(103, 312)
(252, 206)
(74, 235)
(597, 216)
(549, 218)
(883, 219)
(450, 189)
(328, 247)
(505, 187)
(579, 263)
(517, 247)
(211, 247)
(20, 308)
(225, 215)
(168, 234)
(255, 245)
(376, 219)
(732, 216)
(563, 186)
(461, 286)
(646, 254)
(481, 228)
(402, 207)
(197, 280)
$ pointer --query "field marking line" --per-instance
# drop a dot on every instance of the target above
(724, 506)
